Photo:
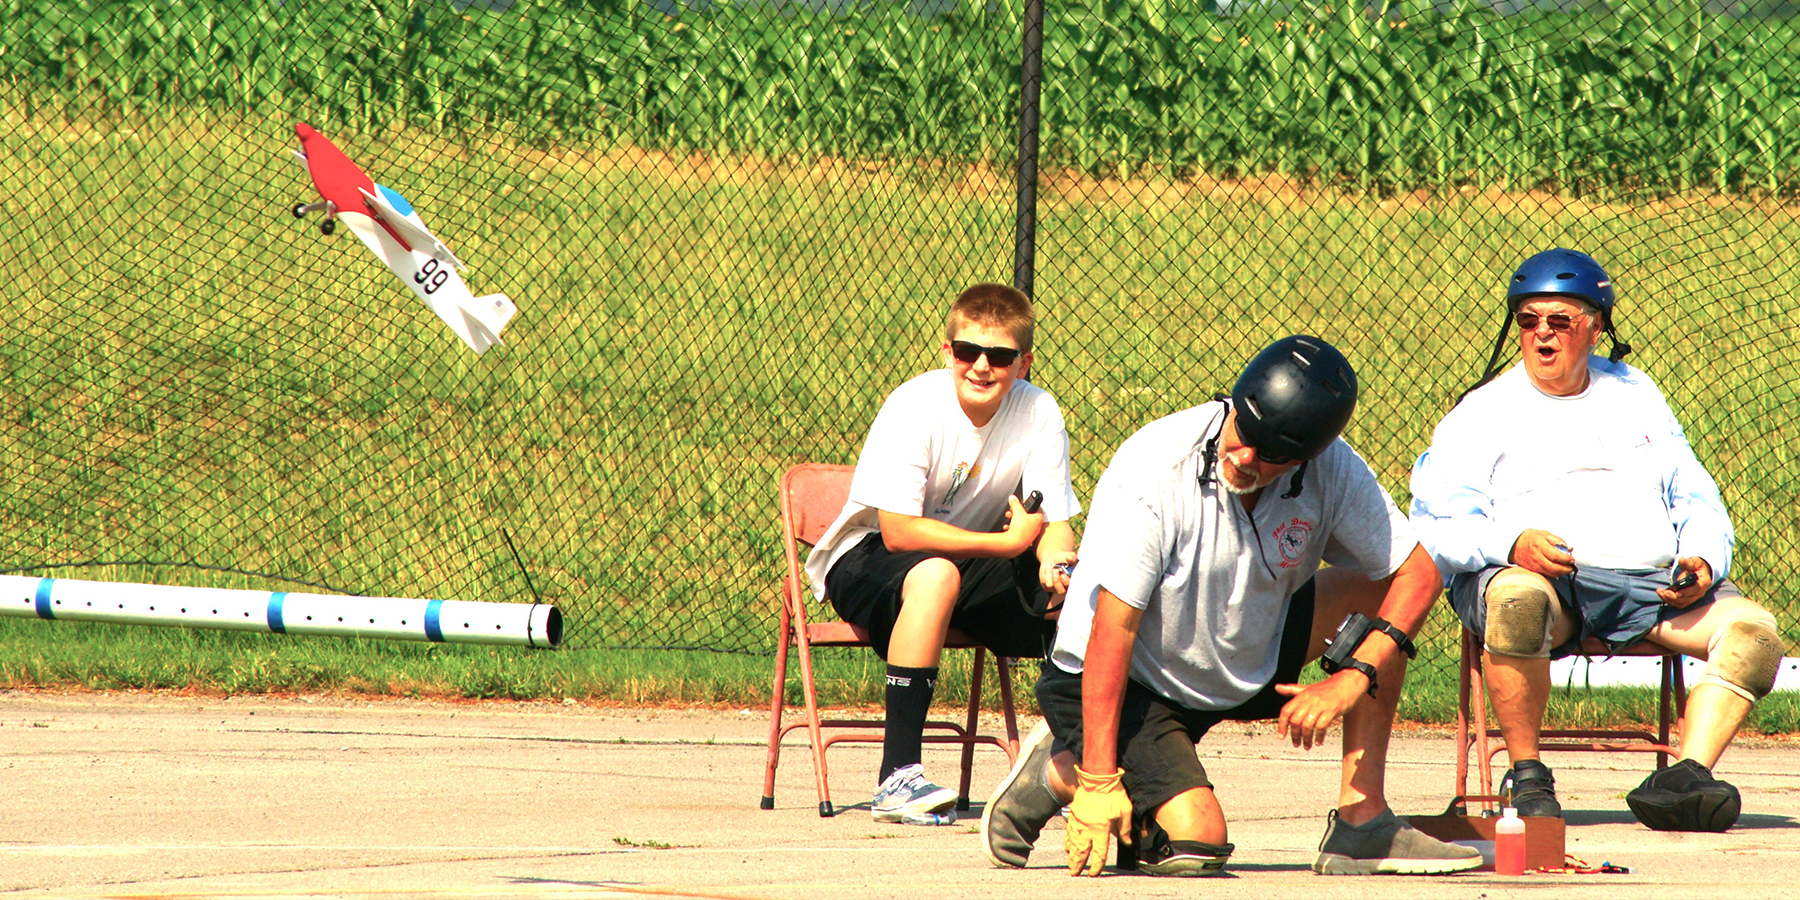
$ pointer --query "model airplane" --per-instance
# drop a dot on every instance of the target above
(383, 220)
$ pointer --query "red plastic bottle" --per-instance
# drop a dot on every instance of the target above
(1509, 844)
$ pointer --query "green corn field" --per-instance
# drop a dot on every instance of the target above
(1650, 98)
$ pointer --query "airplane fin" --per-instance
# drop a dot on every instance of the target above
(415, 234)
(493, 312)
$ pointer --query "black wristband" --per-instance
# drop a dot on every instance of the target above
(1364, 668)
(1350, 635)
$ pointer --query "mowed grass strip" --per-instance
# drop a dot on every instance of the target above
(193, 376)
(103, 657)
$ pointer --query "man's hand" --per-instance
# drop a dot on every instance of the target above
(1539, 551)
(1685, 597)
(1022, 528)
(1100, 810)
(1053, 571)
(1316, 707)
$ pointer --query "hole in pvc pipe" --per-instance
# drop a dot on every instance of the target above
(553, 625)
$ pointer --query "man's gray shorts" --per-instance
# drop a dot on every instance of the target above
(1618, 606)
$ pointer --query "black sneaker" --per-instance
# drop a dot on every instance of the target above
(1531, 789)
(1685, 797)
(1188, 859)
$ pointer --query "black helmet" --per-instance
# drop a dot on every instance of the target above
(1294, 399)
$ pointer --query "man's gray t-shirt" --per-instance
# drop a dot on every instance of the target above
(1214, 581)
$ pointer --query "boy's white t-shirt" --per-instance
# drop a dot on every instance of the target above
(923, 458)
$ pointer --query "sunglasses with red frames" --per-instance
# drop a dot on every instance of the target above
(998, 357)
(1558, 322)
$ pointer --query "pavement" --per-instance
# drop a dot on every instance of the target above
(163, 795)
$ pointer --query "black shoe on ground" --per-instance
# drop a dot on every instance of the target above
(1685, 797)
(1531, 789)
(1183, 858)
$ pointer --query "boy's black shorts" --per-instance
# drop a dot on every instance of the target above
(1156, 734)
(864, 587)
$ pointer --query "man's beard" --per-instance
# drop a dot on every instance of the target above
(1254, 486)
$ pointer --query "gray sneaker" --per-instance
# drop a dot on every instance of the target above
(1019, 808)
(1385, 845)
(906, 793)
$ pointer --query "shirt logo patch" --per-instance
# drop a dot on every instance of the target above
(958, 477)
(1291, 540)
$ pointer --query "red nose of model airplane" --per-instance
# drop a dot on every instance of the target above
(385, 222)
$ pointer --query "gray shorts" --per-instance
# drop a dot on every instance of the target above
(1618, 606)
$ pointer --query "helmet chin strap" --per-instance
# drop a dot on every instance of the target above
(1619, 348)
(1209, 467)
(1298, 482)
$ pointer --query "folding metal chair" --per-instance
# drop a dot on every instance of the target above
(1472, 730)
(812, 495)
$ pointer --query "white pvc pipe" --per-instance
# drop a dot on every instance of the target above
(282, 612)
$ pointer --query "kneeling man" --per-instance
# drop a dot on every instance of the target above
(1196, 602)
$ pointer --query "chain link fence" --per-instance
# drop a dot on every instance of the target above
(731, 229)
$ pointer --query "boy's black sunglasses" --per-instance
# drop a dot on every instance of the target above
(998, 357)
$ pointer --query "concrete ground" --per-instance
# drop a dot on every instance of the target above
(107, 795)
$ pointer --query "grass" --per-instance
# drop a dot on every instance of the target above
(189, 376)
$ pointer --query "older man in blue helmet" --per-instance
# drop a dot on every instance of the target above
(1563, 502)
(1199, 599)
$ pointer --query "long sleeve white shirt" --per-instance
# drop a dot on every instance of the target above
(1608, 470)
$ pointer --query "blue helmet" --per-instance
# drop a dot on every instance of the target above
(1561, 271)
(1558, 271)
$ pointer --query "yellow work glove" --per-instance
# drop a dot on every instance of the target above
(1099, 811)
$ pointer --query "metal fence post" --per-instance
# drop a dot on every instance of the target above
(1030, 78)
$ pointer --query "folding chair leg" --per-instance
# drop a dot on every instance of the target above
(1463, 739)
(1003, 671)
(812, 725)
(968, 747)
(1673, 705)
(776, 700)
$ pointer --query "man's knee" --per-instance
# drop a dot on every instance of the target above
(1192, 815)
(1744, 654)
(934, 580)
(1521, 612)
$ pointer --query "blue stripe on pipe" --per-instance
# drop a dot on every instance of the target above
(275, 623)
(434, 631)
(43, 599)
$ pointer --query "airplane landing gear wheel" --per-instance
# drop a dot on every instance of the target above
(328, 226)
(299, 210)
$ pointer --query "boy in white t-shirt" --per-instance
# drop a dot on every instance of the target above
(916, 551)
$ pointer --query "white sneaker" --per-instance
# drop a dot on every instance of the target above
(907, 793)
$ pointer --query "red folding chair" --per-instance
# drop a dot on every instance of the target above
(812, 495)
(1472, 730)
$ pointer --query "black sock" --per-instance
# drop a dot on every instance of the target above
(908, 703)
